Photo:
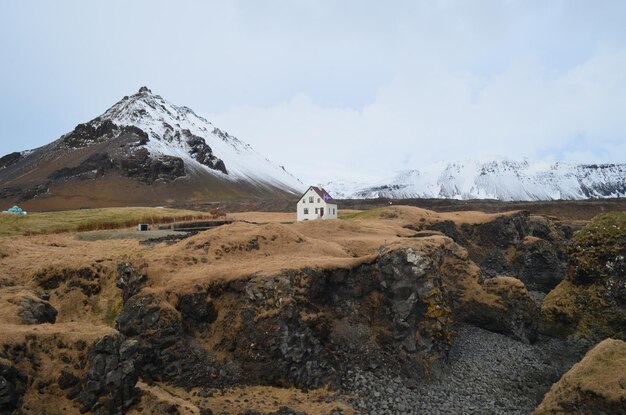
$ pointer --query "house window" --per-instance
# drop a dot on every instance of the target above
(306, 211)
(310, 199)
(318, 200)
(316, 209)
(304, 200)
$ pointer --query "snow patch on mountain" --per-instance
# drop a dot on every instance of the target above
(500, 179)
(169, 128)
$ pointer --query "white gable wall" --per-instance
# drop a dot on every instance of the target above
(305, 204)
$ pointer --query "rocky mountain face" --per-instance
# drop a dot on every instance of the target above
(159, 150)
(499, 179)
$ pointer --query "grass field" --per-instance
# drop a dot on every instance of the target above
(91, 220)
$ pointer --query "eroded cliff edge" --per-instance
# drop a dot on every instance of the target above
(275, 305)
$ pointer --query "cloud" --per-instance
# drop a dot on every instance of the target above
(429, 113)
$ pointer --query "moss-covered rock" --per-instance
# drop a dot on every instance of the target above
(590, 303)
(595, 385)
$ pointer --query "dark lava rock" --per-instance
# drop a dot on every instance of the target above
(297, 328)
(531, 248)
(109, 385)
(539, 264)
(140, 165)
(201, 152)
(12, 387)
(67, 379)
(513, 313)
(196, 308)
(162, 348)
(34, 310)
(9, 159)
(89, 133)
(95, 165)
(129, 280)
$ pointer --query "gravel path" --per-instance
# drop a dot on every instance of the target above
(487, 373)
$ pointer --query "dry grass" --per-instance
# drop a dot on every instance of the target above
(232, 401)
(92, 219)
(596, 384)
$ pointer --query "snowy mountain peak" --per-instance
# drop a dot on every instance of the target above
(501, 179)
(145, 126)
(177, 131)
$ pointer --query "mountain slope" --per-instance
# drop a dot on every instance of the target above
(500, 179)
(141, 150)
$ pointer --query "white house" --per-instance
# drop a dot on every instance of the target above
(316, 203)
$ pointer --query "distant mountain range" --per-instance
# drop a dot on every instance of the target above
(499, 179)
(143, 150)
(146, 151)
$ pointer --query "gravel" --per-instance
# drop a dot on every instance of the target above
(486, 373)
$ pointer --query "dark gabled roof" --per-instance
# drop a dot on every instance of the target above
(321, 193)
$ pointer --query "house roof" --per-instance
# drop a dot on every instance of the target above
(321, 193)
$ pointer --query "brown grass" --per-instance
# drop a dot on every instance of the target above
(597, 383)
(92, 219)
(232, 401)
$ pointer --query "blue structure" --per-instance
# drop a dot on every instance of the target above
(16, 210)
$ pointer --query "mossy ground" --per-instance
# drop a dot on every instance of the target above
(590, 302)
(91, 219)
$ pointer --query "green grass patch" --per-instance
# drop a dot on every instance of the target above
(92, 220)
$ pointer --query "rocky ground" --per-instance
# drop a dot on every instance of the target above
(486, 373)
(389, 311)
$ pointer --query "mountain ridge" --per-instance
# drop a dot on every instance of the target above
(145, 143)
(500, 179)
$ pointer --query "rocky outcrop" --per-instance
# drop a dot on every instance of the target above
(9, 159)
(506, 308)
(34, 310)
(590, 304)
(96, 165)
(298, 328)
(539, 263)
(86, 279)
(98, 131)
(140, 165)
(129, 280)
(530, 248)
(500, 304)
(595, 385)
(12, 387)
(202, 153)
(22, 305)
(108, 387)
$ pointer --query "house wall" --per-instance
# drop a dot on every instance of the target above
(330, 210)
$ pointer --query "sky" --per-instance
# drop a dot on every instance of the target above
(351, 89)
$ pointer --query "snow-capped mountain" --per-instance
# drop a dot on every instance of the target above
(499, 179)
(179, 132)
(165, 153)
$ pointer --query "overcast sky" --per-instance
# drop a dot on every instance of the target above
(332, 88)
